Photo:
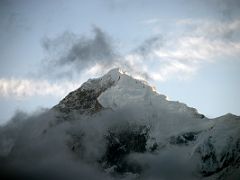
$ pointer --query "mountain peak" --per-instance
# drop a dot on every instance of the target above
(84, 99)
(119, 124)
(115, 71)
(165, 124)
(116, 90)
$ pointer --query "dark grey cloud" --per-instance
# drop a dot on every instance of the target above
(222, 9)
(146, 47)
(89, 51)
(69, 54)
(228, 8)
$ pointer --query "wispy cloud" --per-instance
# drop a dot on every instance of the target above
(26, 87)
(212, 28)
(180, 55)
(198, 48)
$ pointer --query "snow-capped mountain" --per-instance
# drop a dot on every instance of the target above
(120, 128)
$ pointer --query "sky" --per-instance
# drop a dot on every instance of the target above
(188, 49)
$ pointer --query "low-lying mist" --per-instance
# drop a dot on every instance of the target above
(107, 145)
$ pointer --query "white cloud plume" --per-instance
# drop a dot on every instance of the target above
(29, 87)
(198, 48)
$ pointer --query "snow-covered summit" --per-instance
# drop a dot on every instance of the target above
(84, 99)
(103, 82)
(117, 89)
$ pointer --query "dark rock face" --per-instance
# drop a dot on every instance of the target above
(84, 99)
(120, 145)
(81, 101)
(212, 163)
(184, 139)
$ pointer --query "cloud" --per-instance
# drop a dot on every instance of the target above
(213, 29)
(45, 145)
(159, 58)
(170, 163)
(90, 51)
(228, 9)
(196, 49)
(72, 54)
(38, 151)
(72, 59)
(31, 87)
(180, 55)
(225, 10)
(146, 47)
